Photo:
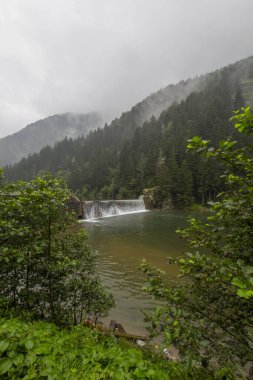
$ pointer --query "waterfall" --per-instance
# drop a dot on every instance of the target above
(105, 209)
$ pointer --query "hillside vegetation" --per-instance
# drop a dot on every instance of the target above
(45, 132)
(125, 157)
(47, 275)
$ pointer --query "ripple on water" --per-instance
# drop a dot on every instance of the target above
(121, 243)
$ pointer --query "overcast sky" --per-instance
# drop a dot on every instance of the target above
(106, 55)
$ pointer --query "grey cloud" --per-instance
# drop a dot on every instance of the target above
(84, 55)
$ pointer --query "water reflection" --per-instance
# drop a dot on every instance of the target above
(121, 243)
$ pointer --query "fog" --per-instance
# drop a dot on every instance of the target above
(61, 56)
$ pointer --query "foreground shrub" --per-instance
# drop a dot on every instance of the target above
(46, 268)
(42, 351)
(208, 315)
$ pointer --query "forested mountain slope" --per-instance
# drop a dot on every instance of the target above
(45, 132)
(38, 135)
(127, 156)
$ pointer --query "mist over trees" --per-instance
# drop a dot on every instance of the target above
(125, 157)
(45, 132)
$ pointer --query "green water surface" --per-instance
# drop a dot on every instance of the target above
(121, 243)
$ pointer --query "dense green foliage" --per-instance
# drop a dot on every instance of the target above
(46, 269)
(128, 156)
(47, 273)
(208, 315)
(41, 351)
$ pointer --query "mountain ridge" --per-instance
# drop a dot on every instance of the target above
(32, 138)
(19, 145)
(13, 149)
(125, 157)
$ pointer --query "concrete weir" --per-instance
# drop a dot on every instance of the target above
(104, 209)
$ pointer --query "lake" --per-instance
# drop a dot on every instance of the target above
(121, 243)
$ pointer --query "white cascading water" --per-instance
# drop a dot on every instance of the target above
(104, 209)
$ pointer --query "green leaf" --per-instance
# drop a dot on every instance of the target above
(5, 365)
(167, 335)
(4, 344)
(237, 282)
(28, 344)
(18, 360)
(12, 354)
(42, 349)
(245, 293)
